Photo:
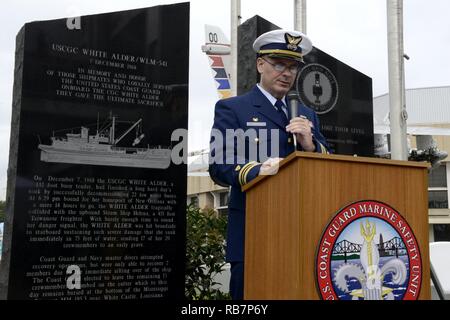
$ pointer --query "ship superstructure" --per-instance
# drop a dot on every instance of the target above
(102, 148)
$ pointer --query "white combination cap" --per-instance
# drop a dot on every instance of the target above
(283, 44)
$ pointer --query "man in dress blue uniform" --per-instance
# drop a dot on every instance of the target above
(251, 133)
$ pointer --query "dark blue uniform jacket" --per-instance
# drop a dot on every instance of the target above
(247, 130)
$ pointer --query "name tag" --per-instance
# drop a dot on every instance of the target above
(256, 124)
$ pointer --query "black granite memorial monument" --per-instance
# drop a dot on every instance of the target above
(96, 183)
(342, 98)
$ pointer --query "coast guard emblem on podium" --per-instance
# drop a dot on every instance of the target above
(368, 252)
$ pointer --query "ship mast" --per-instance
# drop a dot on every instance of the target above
(98, 120)
(111, 130)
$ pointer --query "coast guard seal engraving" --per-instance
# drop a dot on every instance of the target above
(317, 88)
(368, 252)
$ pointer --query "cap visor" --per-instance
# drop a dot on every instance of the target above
(284, 56)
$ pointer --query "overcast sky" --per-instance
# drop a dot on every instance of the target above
(352, 31)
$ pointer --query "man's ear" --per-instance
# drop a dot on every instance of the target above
(259, 65)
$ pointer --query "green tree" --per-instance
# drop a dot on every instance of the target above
(205, 253)
(2, 211)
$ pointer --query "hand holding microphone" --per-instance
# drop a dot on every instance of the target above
(299, 125)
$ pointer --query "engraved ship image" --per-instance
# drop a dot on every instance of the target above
(102, 149)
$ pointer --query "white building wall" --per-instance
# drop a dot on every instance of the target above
(425, 106)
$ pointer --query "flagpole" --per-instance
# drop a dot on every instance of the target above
(300, 15)
(397, 107)
(235, 22)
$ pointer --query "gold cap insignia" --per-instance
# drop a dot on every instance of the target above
(255, 119)
(292, 41)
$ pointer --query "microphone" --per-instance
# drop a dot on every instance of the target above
(293, 99)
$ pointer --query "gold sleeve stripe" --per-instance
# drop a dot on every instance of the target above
(243, 170)
(248, 171)
(323, 149)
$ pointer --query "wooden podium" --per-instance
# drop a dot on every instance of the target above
(287, 214)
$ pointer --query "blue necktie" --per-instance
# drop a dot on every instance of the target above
(279, 105)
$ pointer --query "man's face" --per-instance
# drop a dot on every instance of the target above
(276, 82)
